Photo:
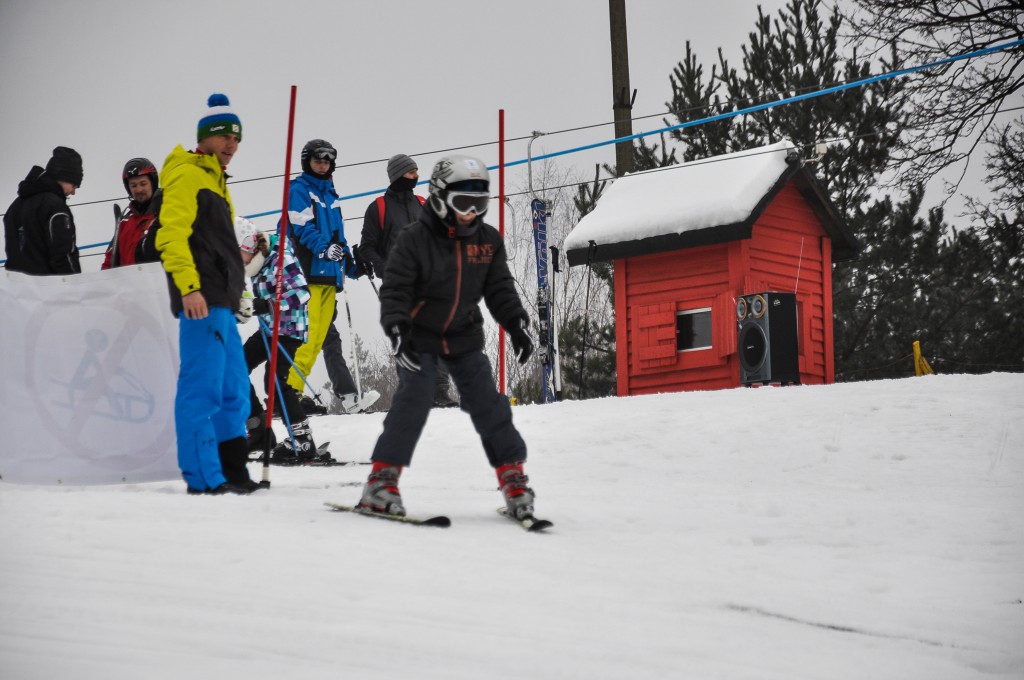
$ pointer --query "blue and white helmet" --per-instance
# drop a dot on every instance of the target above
(462, 175)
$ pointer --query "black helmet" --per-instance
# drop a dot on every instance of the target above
(319, 149)
(140, 167)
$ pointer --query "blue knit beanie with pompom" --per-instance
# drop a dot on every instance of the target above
(219, 119)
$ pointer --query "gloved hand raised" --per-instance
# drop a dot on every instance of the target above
(521, 342)
(334, 252)
(244, 312)
(404, 355)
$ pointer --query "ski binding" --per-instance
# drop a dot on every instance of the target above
(530, 523)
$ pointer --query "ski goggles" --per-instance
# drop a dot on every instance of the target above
(465, 202)
(324, 153)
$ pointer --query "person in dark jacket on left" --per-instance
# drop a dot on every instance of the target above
(39, 230)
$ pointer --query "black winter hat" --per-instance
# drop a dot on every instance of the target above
(65, 166)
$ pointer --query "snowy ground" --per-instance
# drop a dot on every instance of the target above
(869, 530)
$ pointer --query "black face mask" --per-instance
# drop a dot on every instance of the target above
(403, 184)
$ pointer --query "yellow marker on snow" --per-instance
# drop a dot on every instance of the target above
(921, 365)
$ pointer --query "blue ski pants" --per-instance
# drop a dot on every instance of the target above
(212, 402)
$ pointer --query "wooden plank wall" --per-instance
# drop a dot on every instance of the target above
(655, 288)
(785, 255)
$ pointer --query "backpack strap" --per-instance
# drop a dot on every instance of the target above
(382, 207)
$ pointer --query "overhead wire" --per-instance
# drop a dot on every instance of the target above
(811, 93)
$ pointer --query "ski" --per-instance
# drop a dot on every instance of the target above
(529, 523)
(322, 458)
(310, 463)
(438, 521)
(547, 336)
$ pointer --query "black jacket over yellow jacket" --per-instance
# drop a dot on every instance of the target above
(196, 238)
(435, 280)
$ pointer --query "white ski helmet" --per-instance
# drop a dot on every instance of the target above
(460, 174)
(245, 234)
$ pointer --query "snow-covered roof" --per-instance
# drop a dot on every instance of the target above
(658, 207)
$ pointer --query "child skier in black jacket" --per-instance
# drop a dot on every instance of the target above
(438, 271)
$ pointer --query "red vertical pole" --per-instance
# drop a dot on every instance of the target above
(282, 235)
(501, 230)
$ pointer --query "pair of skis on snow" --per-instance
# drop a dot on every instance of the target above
(528, 523)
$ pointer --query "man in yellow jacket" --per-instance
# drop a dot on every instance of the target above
(205, 276)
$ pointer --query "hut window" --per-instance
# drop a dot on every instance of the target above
(693, 329)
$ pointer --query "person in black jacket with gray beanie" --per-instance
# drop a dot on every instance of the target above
(387, 215)
(384, 220)
(437, 273)
(39, 230)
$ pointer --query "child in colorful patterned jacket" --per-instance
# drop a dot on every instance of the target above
(261, 259)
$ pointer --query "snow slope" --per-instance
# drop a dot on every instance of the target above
(868, 530)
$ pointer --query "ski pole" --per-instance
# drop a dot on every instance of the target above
(556, 358)
(316, 395)
(352, 344)
(284, 409)
(586, 316)
(279, 281)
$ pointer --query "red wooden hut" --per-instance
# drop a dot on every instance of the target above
(689, 241)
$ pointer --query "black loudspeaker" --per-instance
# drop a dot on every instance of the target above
(767, 342)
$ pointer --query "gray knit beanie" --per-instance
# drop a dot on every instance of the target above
(398, 165)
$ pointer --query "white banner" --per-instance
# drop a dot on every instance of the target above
(90, 364)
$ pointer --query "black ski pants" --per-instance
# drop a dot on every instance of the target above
(487, 408)
(255, 354)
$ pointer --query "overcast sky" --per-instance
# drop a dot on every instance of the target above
(121, 79)
(117, 79)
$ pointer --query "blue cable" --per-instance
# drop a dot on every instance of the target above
(702, 121)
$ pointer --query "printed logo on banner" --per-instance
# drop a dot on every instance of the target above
(122, 394)
(109, 396)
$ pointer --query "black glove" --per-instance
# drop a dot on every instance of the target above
(403, 353)
(334, 252)
(260, 306)
(262, 245)
(521, 342)
(363, 266)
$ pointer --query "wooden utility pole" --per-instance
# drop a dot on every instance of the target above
(621, 97)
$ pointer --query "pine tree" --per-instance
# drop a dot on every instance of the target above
(875, 320)
(796, 53)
